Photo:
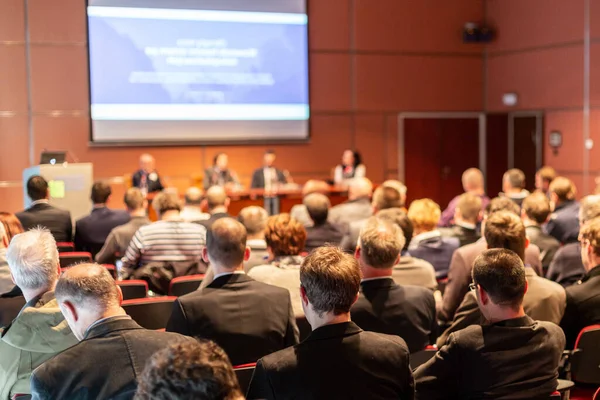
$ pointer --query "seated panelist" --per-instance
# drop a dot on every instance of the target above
(350, 168)
(146, 178)
(220, 174)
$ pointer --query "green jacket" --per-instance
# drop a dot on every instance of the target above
(37, 334)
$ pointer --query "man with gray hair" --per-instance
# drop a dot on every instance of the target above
(39, 332)
(192, 210)
(567, 268)
(384, 306)
(113, 349)
(322, 231)
(358, 205)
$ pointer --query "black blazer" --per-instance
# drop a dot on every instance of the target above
(207, 223)
(104, 365)
(91, 231)
(153, 186)
(339, 361)
(512, 359)
(583, 306)
(58, 221)
(247, 318)
(405, 311)
(464, 235)
(258, 178)
(317, 236)
(11, 303)
(566, 267)
(564, 222)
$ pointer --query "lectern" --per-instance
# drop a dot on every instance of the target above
(70, 186)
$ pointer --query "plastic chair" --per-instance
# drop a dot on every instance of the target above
(150, 313)
(74, 257)
(65, 247)
(244, 375)
(185, 284)
(133, 289)
(585, 358)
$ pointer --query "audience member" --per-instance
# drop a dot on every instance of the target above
(255, 219)
(543, 178)
(286, 239)
(544, 300)
(6, 282)
(42, 213)
(112, 348)
(512, 356)
(567, 267)
(358, 205)
(472, 182)
(168, 247)
(350, 168)
(564, 222)
(410, 270)
(91, 231)
(338, 360)
(466, 217)
(39, 332)
(299, 211)
(268, 177)
(427, 242)
(583, 298)
(220, 174)
(384, 306)
(192, 209)
(189, 371)
(459, 274)
(513, 185)
(249, 319)
(119, 238)
(534, 213)
(217, 203)
(146, 178)
(384, 197)
(12, 225)
(322, 231)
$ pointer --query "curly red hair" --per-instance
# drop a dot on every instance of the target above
(285, 235)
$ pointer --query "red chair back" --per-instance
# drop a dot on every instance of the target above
(586, 356)
(244, 375)
(133, 289)
(185, 284)
(75, 257)
(65, 247)
(150, 313)
(112, 269)
(597, 394)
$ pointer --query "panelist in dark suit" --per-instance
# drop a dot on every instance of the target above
(113, 349)
(383, 306)
(248, 319)
(338, 360)
(220, 174)
(467, 215)
(91, 231)
(512, 356)
(564, 221)
(267, 176)
(583, 298)
(41, 213)
(534, 213)
(146, 178)
(321, 231)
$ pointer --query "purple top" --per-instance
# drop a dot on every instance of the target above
(448, 213)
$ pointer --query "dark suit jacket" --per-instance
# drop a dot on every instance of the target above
(104, 365)
(11, 304)
(317, 236)
(464, 235)
(213, 177)
(512, 359)
(258, 178)
(207, 223)
(338, 361)
(438, 251)
(564, 222)
(547, 244)
(583, 306)
(58, 221)
(405, 311)
(247, 318)
(153, 186)
(459, 274)
(91, 231)
(567, 268)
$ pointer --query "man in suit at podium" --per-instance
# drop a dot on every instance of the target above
(220, 174)
(41, 213)
(146, 177)
(268, 176)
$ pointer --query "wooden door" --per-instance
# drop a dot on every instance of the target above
(525, 148)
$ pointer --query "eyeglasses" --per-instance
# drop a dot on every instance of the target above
(472, 286)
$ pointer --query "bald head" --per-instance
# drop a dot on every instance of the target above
(317, 205)
(472, 180)
(193, 196)
(254, 219)
(147, 162)
(315, 186)
(216, 197)
(226, 244)
(360, 188)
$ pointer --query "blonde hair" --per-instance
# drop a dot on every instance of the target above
(469, 206)
(424, 214)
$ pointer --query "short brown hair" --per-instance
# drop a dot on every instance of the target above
(226, 242)
(386, 197)
(164, 202)
(12, 225)
(547, 173)
(591, 232)
(285, 235)
(96, 288)
(317, 205)
(424, 214)
(133, 199)
(331, 280)
(505, 230)
(100, 192)
(563, 188)
(537, 207)
(254, 219)
(216, 196)
(501, 273)
(502, 204)
(469, 205)
(381, 242)
(398, 217)
(515, 178)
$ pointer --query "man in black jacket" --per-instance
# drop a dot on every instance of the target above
(268, 176)
(338, 360)
(512, 354)
(113, 349)
(247, 318)
(534, 213)
(41, 213)
(466, 217)
(383, 306)
(146, 178)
